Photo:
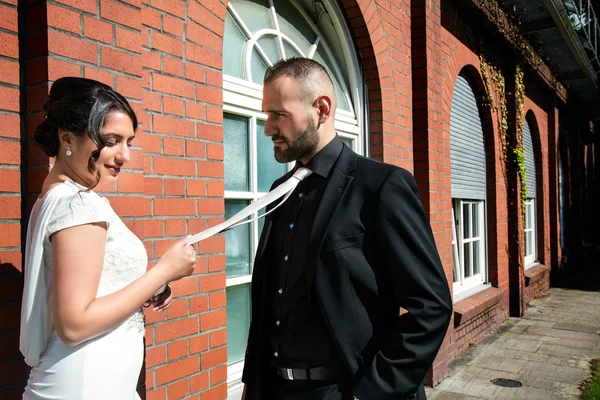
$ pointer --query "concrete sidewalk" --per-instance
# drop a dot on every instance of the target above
(548, 351)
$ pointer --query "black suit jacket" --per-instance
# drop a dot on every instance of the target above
(371, 251)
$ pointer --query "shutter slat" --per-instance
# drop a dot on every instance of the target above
(530, 172)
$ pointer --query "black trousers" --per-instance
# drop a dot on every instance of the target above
(310, 390)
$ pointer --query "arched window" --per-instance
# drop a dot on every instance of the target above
(530, 203)
(258, 33)
(468, 172)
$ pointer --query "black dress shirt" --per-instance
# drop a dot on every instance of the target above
(297, 332)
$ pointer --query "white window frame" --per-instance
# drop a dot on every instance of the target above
(530, 216)
(466, 286)
(244, 98)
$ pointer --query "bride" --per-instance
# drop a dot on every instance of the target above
(82, 325)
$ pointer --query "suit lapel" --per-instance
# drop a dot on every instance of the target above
(334, 193)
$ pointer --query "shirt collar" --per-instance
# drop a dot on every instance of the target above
(322, 162)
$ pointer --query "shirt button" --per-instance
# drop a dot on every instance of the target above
(285, 258)
(278, 322)
(276, 354)
(301, 195)
(291, 226)
(280, 290)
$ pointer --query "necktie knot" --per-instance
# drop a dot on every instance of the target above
(302, 173)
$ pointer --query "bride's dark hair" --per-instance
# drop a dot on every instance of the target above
(79, 106)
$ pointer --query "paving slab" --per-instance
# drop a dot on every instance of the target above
(548, 351)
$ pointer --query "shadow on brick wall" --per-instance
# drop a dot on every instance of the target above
(13, 370)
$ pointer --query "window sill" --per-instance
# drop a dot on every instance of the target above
(535, 273)
(470, 307)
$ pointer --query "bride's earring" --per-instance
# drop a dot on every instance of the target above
(68, 152)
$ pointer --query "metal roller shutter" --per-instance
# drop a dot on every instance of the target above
(467, 148)
(529, 161)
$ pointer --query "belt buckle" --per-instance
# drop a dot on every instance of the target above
(290, 373)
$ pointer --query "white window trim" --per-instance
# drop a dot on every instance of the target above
(465, 287)
(530, 260)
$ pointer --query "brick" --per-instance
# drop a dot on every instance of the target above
(184, 287)
(216, 188)
(84, 5)
(175, 227)
(214, 78)
(176, 370)
(212, 282)
(173, 146)
(218, 375)
(155, 356)
(213, 319)
(194, 72)
(214, 151)
(194, 110)
(62, 18)
(214, 114)
(178, 309)
(130, 183)
(99, 75)
(174, 187)
(173, 26)
(211, 206)
(218, 338)
(120, 13)
(167, 44)
(172, 66)
(58, 69)
(217, 300)
(121, 61)
(199, 382)
(173, 126)
(173, 7)
(195, 188)
(213, 357)
(211, 169)
(150, 17)
(9, 45)
(130, 206)
(204, 17)
(153, 186)
(216, 7)
(202, 36)
(174, 86)
(212, 245)
(72, 47)
(178, 390)
(153, 228)
(151, 101)
(129, 40)
(198, 304)
(172, 206)
(9, 126)
(10, 234)
(177, 350)
(172, 105)
(216, 263)
(203, 56)
(198, 344)
(209, 95)
(151, 60)
(194, 149)
(174, 166)
(10, 180)
(176, 329)
(10, 207)
(151, 143)
(8, 18)
(129, 87)
(210, 132)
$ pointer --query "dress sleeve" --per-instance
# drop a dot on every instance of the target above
(79, 208)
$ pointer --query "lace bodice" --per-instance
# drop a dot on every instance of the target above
(125, 257)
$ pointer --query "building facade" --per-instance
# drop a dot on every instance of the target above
(504, 153)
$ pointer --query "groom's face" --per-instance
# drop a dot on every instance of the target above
(290, 123)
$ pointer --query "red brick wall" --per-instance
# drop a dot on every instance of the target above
(11, 365)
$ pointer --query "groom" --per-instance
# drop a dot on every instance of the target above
(337, 261)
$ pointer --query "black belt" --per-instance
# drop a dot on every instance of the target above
(312, 374)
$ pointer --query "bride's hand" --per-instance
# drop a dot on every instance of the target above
(163, 300)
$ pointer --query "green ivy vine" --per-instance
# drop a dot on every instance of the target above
(518, 150)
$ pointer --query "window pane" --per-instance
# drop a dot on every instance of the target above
(268, 168)
(238, 322)
(323, 58)
(237, 242)
(476, 254)
(467, 259)
(258, 68)
(290, 51)
(529, 243)
(475, 213)
(254, 13)
(269, 46)
(456, 263)
(236, 152)
(466, 220)
(348, 142)
(234, 41)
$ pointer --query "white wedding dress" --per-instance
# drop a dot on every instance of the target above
(102, 368)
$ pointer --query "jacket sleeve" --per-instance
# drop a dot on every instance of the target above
(420, 286)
